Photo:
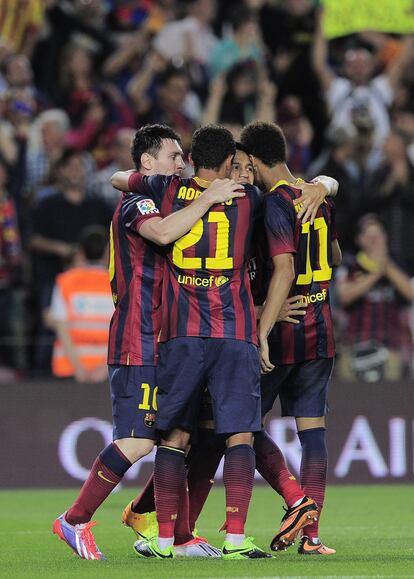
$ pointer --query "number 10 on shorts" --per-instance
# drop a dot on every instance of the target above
(146, 395)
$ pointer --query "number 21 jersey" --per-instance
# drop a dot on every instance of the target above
(206, 288)
(312, 248)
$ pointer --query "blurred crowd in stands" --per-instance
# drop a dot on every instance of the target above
(78, 77)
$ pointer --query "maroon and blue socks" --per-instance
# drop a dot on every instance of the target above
(106, 472)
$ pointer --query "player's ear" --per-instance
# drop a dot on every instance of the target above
(147, 161)
(229, 162)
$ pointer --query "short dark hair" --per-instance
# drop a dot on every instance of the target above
(367, 220)
(265, 141)
(171, 72)
(240, 15)
(240, 147)
(93, 241)
(148, 139)
(68, 155)
(210, 147)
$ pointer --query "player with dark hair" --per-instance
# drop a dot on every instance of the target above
(297, 360)
(136, 271)
(154, 144)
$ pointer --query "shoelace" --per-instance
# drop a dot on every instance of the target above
(87, 536)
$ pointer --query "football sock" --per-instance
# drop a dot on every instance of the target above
(163, 543)
(235, 539)
(145, 502)
(107, 470)
(313, 470)
(202, 462)
(238, 477)
(271, 465)
(169, 480)
(182, 531)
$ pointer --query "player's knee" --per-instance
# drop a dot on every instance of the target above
(176, 438)
(240, 438)
(135, 448)
(305, 423)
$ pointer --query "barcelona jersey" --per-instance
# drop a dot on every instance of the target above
(136, 271)
(206, 290)
(311, 245)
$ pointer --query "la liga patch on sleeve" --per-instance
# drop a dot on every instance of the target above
(146, 206)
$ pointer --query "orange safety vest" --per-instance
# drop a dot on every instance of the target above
(88, 299)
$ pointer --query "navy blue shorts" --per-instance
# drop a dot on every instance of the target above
(302, 387)
(230, 369)
(134, 401)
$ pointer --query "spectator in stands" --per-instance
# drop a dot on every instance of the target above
(121, 161)
(45, 147)
(67, 22)
(243, 44)
(298, 132)
(291, 49)
(191, 38)
(243, 94)
(339, 160)
(81, 310)
(162, 95)
(12, 351)
(390, 192)
(374, 292)
(360, 89)
(56, 225)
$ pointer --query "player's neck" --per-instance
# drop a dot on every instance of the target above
(271, 175)
(211, 174)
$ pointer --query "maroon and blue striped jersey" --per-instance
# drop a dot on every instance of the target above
(312, 248)
(136, 271)
(206, 289)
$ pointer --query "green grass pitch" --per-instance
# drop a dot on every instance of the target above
(371, 528)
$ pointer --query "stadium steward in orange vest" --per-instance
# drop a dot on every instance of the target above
(81, 310)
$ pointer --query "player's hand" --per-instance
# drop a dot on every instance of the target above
(221, 190)
(313, 195)
(81, 375)
(293, 306)
(99, 374)
(265, 363)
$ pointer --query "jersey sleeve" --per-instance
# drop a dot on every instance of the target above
(279, 225)
(154, 186)
(136, 209)
(144, 201)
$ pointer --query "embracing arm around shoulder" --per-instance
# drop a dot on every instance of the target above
(119, 180)
(163, 231)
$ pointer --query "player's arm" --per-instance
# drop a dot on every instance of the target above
(63, 335)
(336, 253)
(350, 290)
(313, 195)
(279, 288)
(163, 231)
(120, 179)
(56, 319)
(399, 280)
(280, 222)
(319, 55)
